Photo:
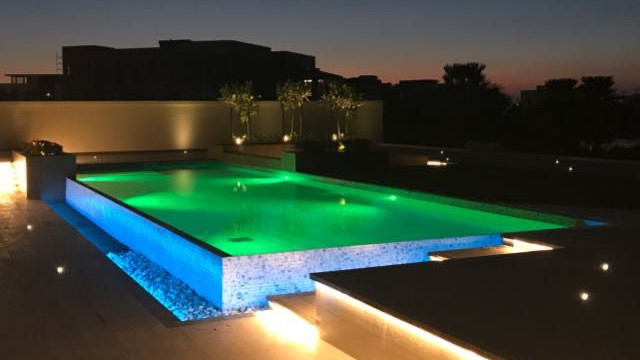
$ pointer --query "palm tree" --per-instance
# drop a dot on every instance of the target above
(240, 98)
(600, 110)
(292, 96)
(598, 88)
(470, 103)
(468, 76)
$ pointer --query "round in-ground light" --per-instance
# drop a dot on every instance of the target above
(584, 296)
(604, 266)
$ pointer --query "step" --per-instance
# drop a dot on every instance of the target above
(301, 304)
(511, 246)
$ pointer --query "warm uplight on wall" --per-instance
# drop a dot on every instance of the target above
(10, 178)
(437, 163)
(239, 140)
(447, 347)
(288, 326)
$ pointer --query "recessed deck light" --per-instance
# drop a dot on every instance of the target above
(60, 269)
(604, 266)
(29, 227)
(584, 296)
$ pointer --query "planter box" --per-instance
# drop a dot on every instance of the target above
(322, 162)
(45, 175)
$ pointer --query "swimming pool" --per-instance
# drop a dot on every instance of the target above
(237, 234)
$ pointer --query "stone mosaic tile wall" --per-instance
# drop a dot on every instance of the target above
(248, 280)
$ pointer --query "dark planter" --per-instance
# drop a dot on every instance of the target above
(46, 175)
(323, 162)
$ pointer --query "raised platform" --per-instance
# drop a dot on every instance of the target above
(579, 301)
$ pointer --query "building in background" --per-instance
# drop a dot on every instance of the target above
(369, 86)
(32, 87)
(175, 70)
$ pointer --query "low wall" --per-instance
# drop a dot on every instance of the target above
(367, 332)
(411, 155)
(98, 126)
(248, 280)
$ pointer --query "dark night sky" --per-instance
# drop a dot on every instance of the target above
(522, 42)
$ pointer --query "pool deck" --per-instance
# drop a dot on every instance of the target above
(94, 311)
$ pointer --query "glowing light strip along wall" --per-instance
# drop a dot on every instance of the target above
(455, 350)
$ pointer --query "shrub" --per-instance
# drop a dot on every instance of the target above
(42, 148)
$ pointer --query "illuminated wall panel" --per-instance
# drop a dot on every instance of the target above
(365, 332)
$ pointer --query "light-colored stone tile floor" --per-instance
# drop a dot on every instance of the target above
(90, 311)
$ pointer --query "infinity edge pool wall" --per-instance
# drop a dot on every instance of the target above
(232, 282)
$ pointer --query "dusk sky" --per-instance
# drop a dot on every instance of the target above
(522, 42)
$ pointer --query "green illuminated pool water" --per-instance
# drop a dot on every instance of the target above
(244, 211)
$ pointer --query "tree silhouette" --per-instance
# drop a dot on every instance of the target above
(471, 104)
(600, 112)
(560, 86)
(598, 88)
(469, 77)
